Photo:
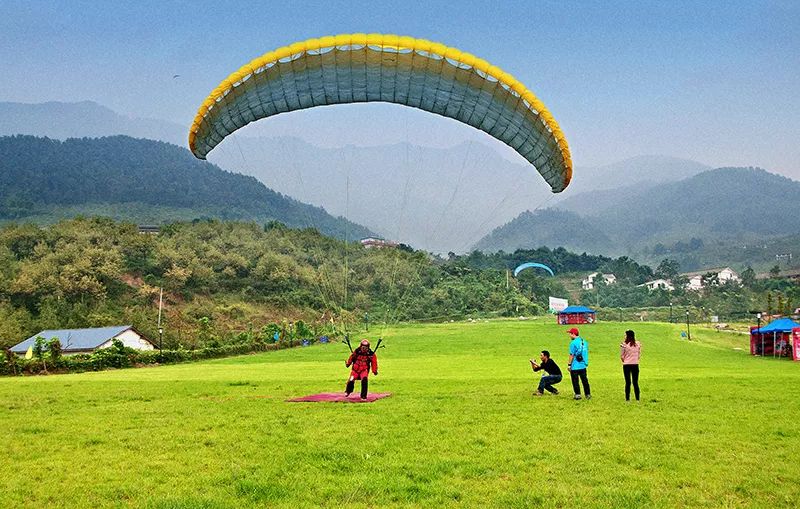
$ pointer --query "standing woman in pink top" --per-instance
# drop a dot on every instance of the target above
(629, 352)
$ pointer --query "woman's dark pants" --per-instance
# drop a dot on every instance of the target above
(631, 372)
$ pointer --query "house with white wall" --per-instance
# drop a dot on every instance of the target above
(657, 284)
(588, 282)
(88, 340)
(724, 275)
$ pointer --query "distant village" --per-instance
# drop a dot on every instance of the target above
(695, 281)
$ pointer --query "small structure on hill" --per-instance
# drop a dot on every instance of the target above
(780, 338)
(790, 274)
(149, 229)
(377, 243)
(659, 284)
(697, 280)
(88, 340)
(573, 315)
(589, 282)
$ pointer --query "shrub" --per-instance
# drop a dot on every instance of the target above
(54, 350)
(9, 364)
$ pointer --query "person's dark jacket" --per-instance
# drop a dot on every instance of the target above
(550, 367)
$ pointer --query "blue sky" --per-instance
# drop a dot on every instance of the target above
(717, 82)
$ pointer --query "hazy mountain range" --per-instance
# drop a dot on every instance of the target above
(432, 198)
(450, 199)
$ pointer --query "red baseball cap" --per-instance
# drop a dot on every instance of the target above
(573, 331)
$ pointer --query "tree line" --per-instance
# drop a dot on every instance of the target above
(222, 279)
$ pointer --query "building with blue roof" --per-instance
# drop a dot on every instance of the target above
(89, 340)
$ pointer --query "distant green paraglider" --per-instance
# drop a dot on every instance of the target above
(529, 265)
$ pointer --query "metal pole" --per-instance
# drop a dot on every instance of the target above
(670, 313)
(160, 329)
(773, 344)
(758, 316)
(688, 331)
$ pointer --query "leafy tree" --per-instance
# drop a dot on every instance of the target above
(54, 350)
(748, 277)
(39, 349)
(668, 269)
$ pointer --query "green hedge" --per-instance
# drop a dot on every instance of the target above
(119, 356)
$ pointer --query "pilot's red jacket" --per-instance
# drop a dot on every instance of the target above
(362, 364)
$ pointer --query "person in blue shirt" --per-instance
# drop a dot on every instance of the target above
(578, 362)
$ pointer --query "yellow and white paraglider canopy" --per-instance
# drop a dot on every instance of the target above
(354, 68)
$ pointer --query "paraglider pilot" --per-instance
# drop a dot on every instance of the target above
(363, 360)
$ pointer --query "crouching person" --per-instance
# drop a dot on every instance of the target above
(363, 360)
(552, 374)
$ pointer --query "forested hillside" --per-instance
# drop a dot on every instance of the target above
(715, 217)
(138, 180)
(222, 279)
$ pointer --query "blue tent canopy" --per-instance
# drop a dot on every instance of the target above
(577, 309)
(780, 325)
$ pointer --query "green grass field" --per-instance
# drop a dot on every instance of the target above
(715, 428)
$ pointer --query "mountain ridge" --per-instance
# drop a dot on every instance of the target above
(41, 177)
(717, 206)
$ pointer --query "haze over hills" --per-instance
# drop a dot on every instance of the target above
(85, 119)
(723, 210)
(139, 180)
(432, 198)
(597, 188)
(436, 199)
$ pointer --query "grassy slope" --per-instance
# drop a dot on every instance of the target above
(715, 428)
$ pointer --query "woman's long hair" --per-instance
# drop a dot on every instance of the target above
(630, 338)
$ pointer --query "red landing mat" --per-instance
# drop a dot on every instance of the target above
(339, 397)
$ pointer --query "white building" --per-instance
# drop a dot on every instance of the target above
(588, 282)
(724, 275)
(695, 282)
(656, 284)
(377, 242)
(89, 340)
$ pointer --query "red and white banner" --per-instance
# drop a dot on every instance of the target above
(557, 304)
